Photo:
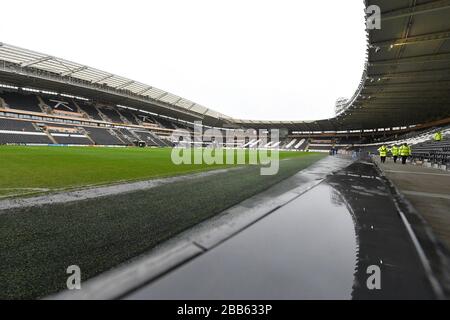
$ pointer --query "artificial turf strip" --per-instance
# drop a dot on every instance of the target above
(38, 244)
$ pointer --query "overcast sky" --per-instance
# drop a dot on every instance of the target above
(249, 59)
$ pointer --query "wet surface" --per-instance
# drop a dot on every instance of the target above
(383, 239)
(101, 191)
(306, 250)
(318, 246)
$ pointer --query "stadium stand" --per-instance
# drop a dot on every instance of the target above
(16, 125)
(65, 110)
(16, 138)
(71, 139)
(130, 116)
(111, 114)
(103, 136)
(125, 136)
(90, 111)
(17, 100)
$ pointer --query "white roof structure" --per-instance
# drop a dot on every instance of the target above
(31, 59)
(405, 81)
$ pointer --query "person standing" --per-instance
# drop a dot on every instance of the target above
(383, 153)
(405, 152)
(438, 136)
(395, 152)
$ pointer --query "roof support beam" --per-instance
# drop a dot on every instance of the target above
(413, 40)
(416, 59)
(161, 95)
(410, 102)
(70, 72)
(103, 79)
(417, 93)
(35, 61)
(124, 85)
(431, 84)
(418, 9)
(144, 90)
(413, 74)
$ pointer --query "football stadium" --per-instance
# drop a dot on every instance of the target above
(115, 189)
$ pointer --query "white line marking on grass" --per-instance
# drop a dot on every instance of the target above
(12, 192)
(90, 193)
(26, 189)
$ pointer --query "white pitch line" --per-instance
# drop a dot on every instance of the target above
(95, 192)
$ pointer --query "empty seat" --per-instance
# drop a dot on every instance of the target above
(103, 137)
(16, 125)
(26, 102)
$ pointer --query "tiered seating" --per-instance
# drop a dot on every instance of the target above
(63, 110)
(62, 107)
(129, 116)
(71, 139)
(102, 136)
(302, 144)
(434, 151)
(150, 139)
(39, 138)
(90, 110)
(18, 132)
(321, 145)
(125, 135)
(16, 125)
(20, 101)
(111, 114)
(165, 123)
(160, 142)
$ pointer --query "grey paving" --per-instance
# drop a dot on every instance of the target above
(428, 190)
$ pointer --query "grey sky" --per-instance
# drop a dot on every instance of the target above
(277, 60)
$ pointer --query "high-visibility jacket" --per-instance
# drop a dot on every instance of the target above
(383, 151)
(438, 136)
(395, 151)
(405, 151)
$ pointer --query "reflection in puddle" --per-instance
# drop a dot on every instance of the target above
(318, 246)
(305, 250)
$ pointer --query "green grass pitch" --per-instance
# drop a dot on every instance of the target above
(37, 244)
(28, 170)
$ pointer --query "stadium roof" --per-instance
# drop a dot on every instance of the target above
(406, 78)
(37, 66)
(407, 74)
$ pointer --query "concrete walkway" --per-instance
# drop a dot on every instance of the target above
(428, 190)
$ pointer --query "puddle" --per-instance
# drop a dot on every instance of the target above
(305, 250)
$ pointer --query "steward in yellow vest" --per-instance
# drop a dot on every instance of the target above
(438, 136)
(383, 153)
(405, 152)
(395, 152)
